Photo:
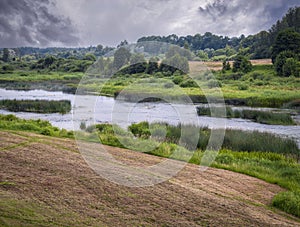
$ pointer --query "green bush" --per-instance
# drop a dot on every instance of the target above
(243, 87)
(177, 79)
(241, 64)
(188, 83)
(281, 63)
(169, 85)
(140, 129)
(213, 83)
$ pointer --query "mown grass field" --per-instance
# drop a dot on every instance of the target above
(48, 183)
(276, 163)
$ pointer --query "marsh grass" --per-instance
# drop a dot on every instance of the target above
(36, 106)
(259, 116)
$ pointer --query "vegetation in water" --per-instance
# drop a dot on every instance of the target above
(36, 106)
(260, 116)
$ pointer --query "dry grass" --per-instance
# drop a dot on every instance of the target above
(46, 182)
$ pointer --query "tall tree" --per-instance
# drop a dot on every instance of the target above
(5, 57)
(121, 57)
(287, 40)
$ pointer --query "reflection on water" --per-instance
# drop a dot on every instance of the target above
(97, 109)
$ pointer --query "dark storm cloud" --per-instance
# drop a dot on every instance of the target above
(107, 22)
(239, 16)
(214, 9)
(34, 23)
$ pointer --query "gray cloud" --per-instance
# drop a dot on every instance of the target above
(215, 9)
(109, 22)
(235, 17)
(34, 23)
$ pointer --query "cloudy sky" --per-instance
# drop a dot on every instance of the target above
(90, 22)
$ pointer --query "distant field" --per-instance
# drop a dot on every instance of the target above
(217, 65)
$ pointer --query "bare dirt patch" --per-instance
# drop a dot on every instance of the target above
(45, 183)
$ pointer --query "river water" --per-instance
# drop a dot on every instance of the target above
(99, 109)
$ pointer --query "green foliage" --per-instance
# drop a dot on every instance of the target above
(291, 67)
(273, 168)
(241, 64)
(284, 68)
(226, 65)
(11, 122)
(5, 56)
(287, 40)
(264, 117)
(174, 63)
(82, 125)
(177, 79)
(62, 65)
(90, 57)
(176, 50)
(38, 106)
(288, 201)
(202, 55)
(140, 130)
(187, 83)
(137, 58)
(243, 87)
(7, 68)
(121, 57)
(213, 83)
(152, 66)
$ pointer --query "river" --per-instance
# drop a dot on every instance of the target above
(99, 109)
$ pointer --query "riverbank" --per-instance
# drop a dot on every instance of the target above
(260, 116)
(104, 107)
(259, 88)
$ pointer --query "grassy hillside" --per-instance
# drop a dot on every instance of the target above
(46, 182)
(274, 162)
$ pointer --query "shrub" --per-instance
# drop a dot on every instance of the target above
(169, 85)
(188, 83)
(281, 61)
(177, 79)
(140, 129)
(241, 64)
(243, 87)
(291, 68)
(213, 83)
(288, 202)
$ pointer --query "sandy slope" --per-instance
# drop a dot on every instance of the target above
(44, 181)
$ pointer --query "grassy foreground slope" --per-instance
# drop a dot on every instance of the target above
(40, 186)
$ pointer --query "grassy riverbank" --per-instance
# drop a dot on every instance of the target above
(259, 88)
(260, 116)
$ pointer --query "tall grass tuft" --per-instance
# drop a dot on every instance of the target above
(288, 201)
(264, 117)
